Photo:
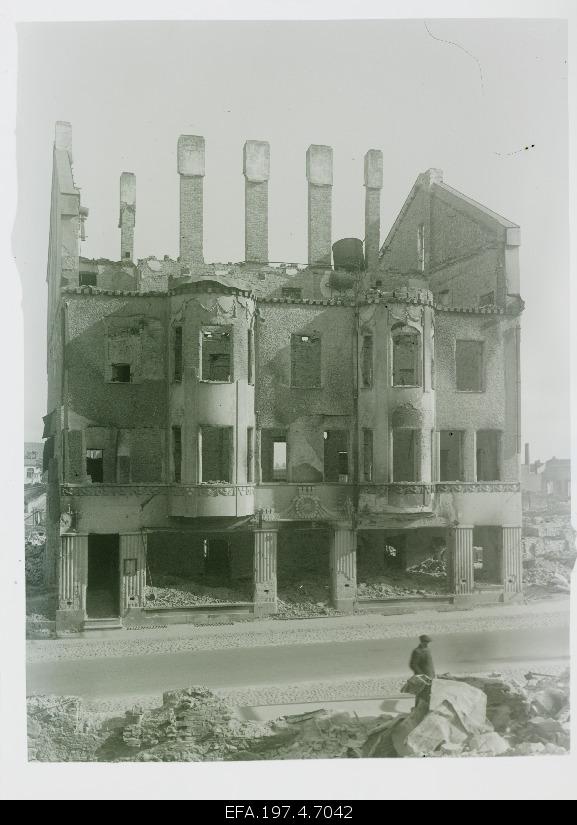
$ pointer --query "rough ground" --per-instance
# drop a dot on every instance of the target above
(470, 716)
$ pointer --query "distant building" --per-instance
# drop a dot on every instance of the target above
(34, 508)
(256, 418)
(549, 478)
(33, 462)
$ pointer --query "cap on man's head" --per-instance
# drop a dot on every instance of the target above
(424, 638)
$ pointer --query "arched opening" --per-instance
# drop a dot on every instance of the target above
(407, 370)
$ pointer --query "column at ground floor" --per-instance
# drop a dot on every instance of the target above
(265, 572)
(132, 548)
(72, 575)
(460, 569)
(343, 569)
(512, 561)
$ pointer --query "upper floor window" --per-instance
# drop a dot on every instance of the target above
(367, 455)
(367, 361)
(95, 465)
(336, 455)
(177, 354)
(451, 455)
(488, 455)
(273, 455)
(250, 356)
(469, 365)
(216, 353)
(306, 361)
(406, 356)
(87, 279)
(120, 373)
(421, 246)
(406, 455)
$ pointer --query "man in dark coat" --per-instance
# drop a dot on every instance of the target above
(421, 662)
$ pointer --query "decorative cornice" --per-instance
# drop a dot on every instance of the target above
(479, 487)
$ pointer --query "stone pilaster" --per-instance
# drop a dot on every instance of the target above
(512, 560)
(265, 569)
(127, 219)
(343, 569)
(132, 571)
(72, 582)
(460, 558)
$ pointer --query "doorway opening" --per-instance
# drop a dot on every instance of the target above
(103, 584)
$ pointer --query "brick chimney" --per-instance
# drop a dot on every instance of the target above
(527, 454)
(63, 136)
(191, 171)
(373, 186)
(320, 179)
(256, 169)
(127, 218)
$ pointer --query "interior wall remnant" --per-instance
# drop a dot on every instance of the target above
(216, 454)
(406, 458)
(488, 455)
(451, 464)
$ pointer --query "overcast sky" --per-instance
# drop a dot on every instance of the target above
(465, 96)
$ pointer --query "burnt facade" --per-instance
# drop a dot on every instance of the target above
(228, 415)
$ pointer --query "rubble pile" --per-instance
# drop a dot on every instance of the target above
(305, 599)
(173, 591)
(425, 579)
(453, 716)
(549, 550)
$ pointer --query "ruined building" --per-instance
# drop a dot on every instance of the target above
(254, 421)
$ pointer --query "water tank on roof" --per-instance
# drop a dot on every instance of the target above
(348, 254)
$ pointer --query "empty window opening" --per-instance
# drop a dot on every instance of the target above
(120, 373)
(406, 457)
(103, 579)
(250, 356)
(469, 365)
(95, 465)
(177, 454)
(336, 456)
(291, 292)
(367, 361)
(367, 455)
(305, 361)
(216, 346)
(87, 279)
(250, 454)
(486, 300)
(406, 356)
(178, 353)
(443, 297)
(488, 455)
(451, 455)
(216, 454)
(127, 254)
(421, 246)
(273, 453)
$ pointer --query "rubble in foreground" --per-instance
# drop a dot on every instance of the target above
(453, 716)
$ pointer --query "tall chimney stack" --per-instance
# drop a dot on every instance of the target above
(527, 454)
(373, 186)
(191, 171)
(63, 136)
(320, 178)
(256, 169)
(127, 218)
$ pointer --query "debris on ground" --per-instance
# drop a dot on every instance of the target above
(453, 716)
(174, 591)
(428, 578)
(304, 599)
(549, 548)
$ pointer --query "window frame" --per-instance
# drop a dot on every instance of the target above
(420, 359)
(216, 328)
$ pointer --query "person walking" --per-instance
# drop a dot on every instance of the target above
(421, 662)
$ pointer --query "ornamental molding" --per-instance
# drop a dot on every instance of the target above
(479, 487)
(307, 506)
